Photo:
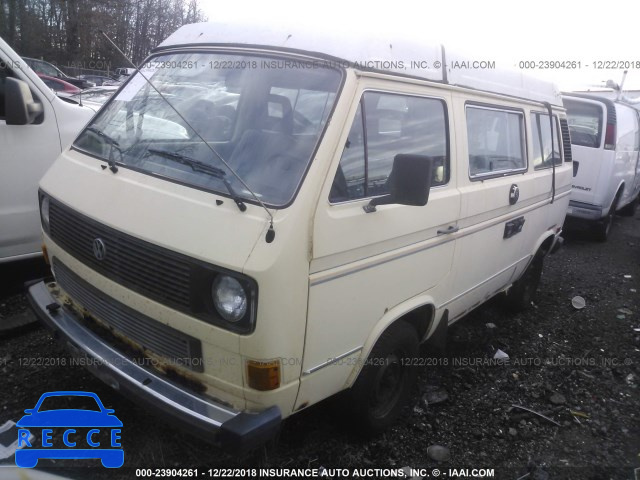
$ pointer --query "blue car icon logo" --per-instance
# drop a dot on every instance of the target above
(69, 425)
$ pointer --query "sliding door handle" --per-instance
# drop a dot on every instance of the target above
(450, 229)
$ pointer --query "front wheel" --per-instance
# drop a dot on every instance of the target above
(385, 382)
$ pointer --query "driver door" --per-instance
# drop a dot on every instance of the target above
(366, 263)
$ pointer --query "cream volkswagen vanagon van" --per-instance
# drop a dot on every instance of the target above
(279, 215)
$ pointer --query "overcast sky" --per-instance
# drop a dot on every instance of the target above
(504, 31)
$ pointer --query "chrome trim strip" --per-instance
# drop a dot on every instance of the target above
(331, 361)
(372, 262)
(322, 276)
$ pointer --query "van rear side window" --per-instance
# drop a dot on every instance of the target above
(541, 132)
(386, 125)
(626, 128)
(585, 123)
(496, 141)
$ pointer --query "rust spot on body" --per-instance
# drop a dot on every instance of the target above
(132, 350)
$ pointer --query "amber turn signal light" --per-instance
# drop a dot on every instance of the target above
(263, 375)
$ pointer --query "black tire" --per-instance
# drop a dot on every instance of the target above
(629, 210)
(602, 229)
(385, 383)
(525, 290)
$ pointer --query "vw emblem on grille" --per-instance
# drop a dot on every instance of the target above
(99, 249)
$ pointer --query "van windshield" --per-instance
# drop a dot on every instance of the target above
(585, 123)
(263, 115)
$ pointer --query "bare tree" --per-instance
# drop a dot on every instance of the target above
(66, 32)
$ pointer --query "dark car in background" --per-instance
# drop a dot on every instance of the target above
(45, 68)
(100, 80)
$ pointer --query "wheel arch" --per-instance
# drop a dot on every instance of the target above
(615, 200)
(419, 313)
(544, 245)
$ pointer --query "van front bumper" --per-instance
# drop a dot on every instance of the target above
(230, 429)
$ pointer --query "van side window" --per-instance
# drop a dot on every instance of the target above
(496, 141)
(541, 132)
(386, 125)
(626, 127)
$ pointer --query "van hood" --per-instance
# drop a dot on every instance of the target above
(202, 225)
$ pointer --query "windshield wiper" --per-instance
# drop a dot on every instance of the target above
(198, 166)
(112, 143)
(271, 233)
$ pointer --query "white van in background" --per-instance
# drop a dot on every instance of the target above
(35, 125)
(316, 207)
(605, 141)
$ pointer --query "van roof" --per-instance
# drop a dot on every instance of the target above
(605, 96)
(595, 97)
(404, 54)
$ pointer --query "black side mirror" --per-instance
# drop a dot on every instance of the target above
(20, 108)
(409, 182)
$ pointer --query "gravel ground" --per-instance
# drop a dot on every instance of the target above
(578, 368)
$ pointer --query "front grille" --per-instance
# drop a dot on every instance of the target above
(139, 265)
(566, 139)
(177, 346)
(170, 278)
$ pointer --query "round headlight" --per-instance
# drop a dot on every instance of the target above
(229, 298)
(44, 211)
